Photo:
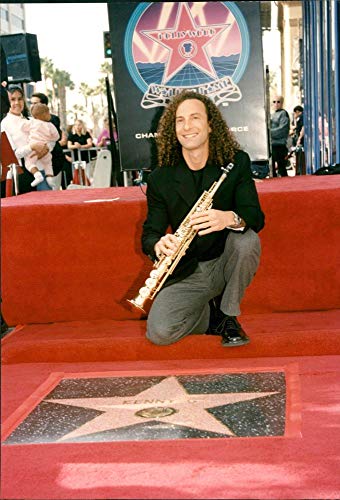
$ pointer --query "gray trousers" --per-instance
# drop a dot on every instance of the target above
(183, 308)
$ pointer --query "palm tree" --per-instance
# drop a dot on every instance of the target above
(106, 68)
(47, 68)
(56, 82)
(62, 80)
(77, 111)
(85, 90)
(101, 90)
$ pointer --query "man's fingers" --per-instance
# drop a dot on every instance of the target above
(167, 245)
(199, 216)
(205, 231)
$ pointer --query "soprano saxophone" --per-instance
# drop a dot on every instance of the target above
(185, 233)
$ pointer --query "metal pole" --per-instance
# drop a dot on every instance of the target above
(328, 59)
(321, 74)
(314, 101)
(307, 70)
(336, 13)
(112, 145)
(126, 178)
(15, 179)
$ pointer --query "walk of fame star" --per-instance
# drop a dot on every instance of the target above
(188, 409)
(157, 407)
(186, 43)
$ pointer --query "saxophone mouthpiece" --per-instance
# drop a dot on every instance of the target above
(227, 169)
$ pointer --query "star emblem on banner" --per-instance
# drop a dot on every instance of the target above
(186, 43)
(167, 402)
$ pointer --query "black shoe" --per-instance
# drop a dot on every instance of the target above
(232, 333)
(216, 316)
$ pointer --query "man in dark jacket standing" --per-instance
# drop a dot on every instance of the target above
(279, 131)
(203, 293)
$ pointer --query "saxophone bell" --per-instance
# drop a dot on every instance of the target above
(138, 303)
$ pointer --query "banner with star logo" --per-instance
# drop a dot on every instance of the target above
(162, 48)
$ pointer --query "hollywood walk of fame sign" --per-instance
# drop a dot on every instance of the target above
(186, 44)
(115, 408)
(162, 48)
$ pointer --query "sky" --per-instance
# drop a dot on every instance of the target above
(71, 34)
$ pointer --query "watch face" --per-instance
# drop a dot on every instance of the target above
(237, 219)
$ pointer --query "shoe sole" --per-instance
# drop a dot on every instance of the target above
(235, 344)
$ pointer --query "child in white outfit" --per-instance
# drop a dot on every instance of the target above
(40, 129)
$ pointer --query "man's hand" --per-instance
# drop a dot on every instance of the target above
(40, 148)
(167, 245)
(211, 220)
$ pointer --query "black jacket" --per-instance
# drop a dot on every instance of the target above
(171, 193)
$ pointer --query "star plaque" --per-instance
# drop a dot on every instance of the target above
(116, 407)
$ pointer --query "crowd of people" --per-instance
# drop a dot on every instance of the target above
(42, 148)
(45, 150)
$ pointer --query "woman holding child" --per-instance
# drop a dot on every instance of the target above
(15, 126)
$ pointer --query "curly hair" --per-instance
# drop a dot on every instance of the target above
(222, 144)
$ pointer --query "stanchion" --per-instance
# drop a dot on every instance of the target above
(79, 173)
(9, 183)
(15, 178)
(12, 180)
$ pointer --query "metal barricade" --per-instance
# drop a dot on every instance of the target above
(82, 169)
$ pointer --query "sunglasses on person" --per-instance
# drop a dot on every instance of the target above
(276, 102)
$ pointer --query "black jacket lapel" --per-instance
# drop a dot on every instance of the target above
(211, 173)
(184, 185)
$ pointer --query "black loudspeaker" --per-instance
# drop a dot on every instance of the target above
(22, 57)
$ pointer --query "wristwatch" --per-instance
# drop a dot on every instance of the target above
(237, 220)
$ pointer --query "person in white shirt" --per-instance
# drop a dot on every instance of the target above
(14, 125)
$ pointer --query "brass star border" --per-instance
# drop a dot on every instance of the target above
(159, 405)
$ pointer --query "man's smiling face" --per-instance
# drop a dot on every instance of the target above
(192, 127)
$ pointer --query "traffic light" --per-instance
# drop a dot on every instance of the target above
(107, 44)
(295, 77)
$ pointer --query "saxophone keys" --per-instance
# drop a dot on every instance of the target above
(144, 292)
(151, 282)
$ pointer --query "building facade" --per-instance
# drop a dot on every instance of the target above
(12, 18)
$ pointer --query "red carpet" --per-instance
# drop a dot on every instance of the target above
(290, 468)
(90, 259)
(313, 333)
(75, 319)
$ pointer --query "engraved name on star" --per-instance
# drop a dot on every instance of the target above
(167, 402)
(186, 43)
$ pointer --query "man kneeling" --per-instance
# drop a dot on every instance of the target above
(204, 292)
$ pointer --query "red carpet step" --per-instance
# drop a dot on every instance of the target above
(281, 334)
(92, 261)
